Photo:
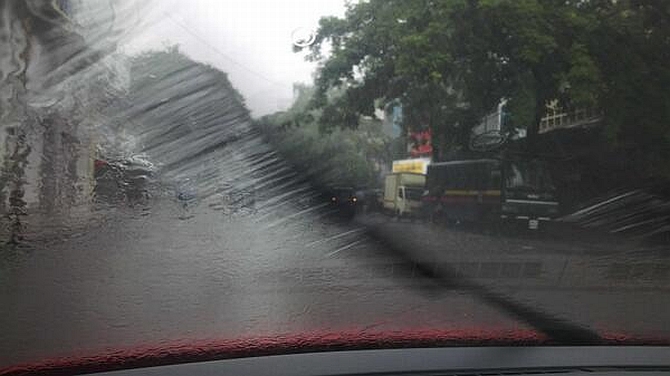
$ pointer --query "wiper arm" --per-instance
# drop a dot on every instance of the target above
(561, 331)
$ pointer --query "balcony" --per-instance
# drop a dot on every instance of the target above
(556, 119)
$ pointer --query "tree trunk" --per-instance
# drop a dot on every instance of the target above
(533, 129)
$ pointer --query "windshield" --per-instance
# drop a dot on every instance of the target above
(413, 194)
(191, 180)
(529, 176)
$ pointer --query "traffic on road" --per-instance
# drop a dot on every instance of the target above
(185, 182)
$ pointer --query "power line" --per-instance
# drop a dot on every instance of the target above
(227, 57)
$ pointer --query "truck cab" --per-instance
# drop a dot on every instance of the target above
(409, 200)
(402, 193)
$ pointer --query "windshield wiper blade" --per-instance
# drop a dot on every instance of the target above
(560, 331)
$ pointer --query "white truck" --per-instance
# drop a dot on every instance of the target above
(403, 192)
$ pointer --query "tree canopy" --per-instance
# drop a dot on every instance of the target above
(328, 157)
(450, 62)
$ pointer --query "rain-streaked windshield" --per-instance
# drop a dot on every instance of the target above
(530, 176)
(193, 180)
(414, 194)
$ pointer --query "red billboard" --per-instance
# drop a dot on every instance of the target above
(420, 144)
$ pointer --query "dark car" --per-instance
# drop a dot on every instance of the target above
(344, 199)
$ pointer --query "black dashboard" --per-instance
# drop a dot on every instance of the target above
(592, 360)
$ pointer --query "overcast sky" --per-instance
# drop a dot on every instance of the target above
(248, 39)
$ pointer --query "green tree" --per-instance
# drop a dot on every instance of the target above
(632, 48)
(327, 156)
(531, 52)
(450, 62)
(387, 50)
(173, 100)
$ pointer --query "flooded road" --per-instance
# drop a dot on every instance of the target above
(156, 278)
(146, 277)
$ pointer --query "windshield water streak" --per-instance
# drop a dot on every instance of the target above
(204, 180)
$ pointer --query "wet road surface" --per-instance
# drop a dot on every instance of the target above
(568, 284)
(108, 279)
(167, 274)
(154, 278)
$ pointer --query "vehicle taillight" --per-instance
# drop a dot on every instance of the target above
(99, 163)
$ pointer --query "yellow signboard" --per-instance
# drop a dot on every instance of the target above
(417, 165)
